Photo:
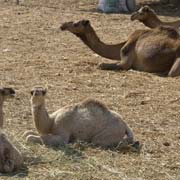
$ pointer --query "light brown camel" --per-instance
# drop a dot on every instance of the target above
(89, 121)
(10, 158)
(4, 94)
(153, 50)
(149, 18)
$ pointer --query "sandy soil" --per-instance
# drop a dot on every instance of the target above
(33, 51)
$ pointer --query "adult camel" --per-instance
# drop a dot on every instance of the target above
(153, 50)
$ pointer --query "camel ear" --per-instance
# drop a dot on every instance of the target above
(85, 22)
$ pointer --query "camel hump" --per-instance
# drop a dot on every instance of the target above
(94, 103)
(171, 32)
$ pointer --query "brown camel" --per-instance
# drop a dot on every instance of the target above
(149, 18)
(154, 50)
(4, 94)
(89, 121)
(10, 158)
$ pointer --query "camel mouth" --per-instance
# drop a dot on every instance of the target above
(65, 26)
(134, 16)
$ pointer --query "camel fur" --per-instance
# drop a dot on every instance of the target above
(4, 94)
(89, 121)
(152, 50)
(149, 18)
(10, 157)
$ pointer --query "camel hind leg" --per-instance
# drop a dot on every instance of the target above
(111, 136)
(175, 70)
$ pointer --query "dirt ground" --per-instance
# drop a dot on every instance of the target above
(33, 51)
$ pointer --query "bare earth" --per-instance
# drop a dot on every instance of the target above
(33, 51)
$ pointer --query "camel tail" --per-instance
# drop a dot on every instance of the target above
(130, 135)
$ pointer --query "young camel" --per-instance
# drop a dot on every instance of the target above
(89, 121)
(154, 50)
(10, 158)
(149, 18)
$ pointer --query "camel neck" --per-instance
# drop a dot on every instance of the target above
(1, 115)
(95, 44)
(41, 118)
(152, 22)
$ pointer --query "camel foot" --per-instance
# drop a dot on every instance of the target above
(105, 66)
(34, 139)
(29, 132)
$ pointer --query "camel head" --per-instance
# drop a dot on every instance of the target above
(38, 95)
(7, 164)
(6, 93)
(79, 27)
(142, 14)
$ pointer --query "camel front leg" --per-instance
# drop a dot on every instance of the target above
(34, 139)
(175, 69)
(54, 140)
(29, 132)
(126, 59)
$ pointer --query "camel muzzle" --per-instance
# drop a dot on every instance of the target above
(9, 92)
(65, 26)
(134, 16)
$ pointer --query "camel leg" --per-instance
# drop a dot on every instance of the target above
(126, 59)
(55, 140)
(110, 136)
(34, 139)
(29, 132)
(49, 140)
(175, 70)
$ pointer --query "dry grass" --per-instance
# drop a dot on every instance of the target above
(33, 51)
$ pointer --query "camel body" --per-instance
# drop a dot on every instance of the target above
(149, 18)
(154, 50)
(10, 157)
(89, 121)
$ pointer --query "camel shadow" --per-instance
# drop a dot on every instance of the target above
(76, 149)
(68, 150)
(21, 173)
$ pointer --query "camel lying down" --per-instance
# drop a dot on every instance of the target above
(89, 121)
(10, 158)
(149, 18)
(153, 50)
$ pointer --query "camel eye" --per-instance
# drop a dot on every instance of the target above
(44, 93)
(85, 22)
(32, 92)
(76, 25)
